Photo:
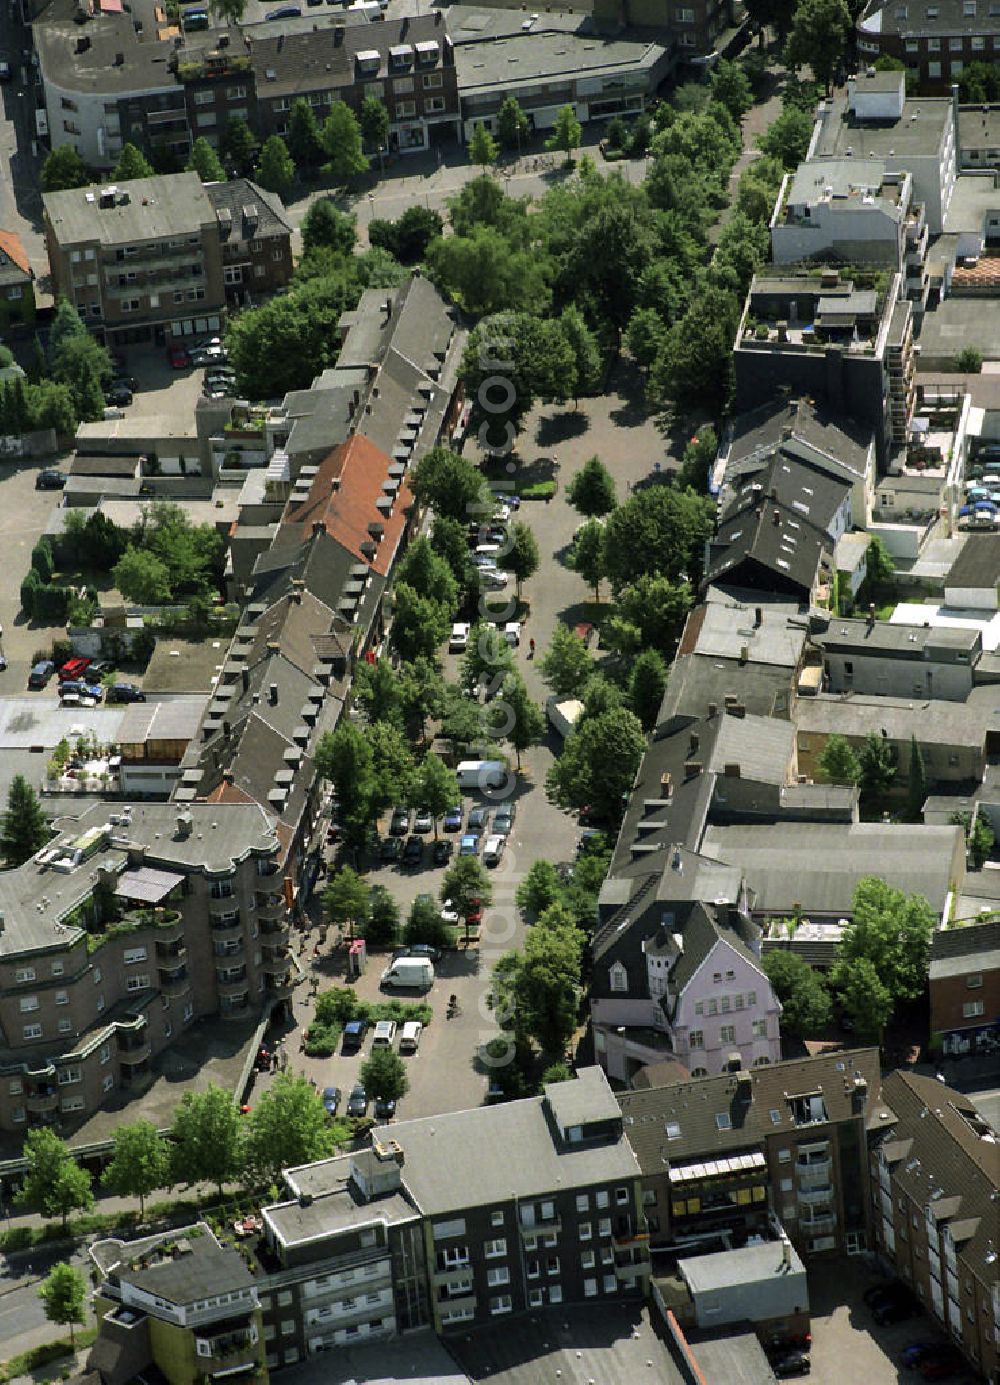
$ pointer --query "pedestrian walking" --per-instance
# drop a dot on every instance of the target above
(531, 649)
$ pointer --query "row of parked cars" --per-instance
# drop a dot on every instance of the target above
(413, 826)
(79, 683)
(934, 1359)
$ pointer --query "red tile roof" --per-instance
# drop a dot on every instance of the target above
(13, 247)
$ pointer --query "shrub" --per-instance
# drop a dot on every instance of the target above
(321, 1039)
(338, 1006)
(42, 560)
(538, 490)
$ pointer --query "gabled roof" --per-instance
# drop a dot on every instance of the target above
(13, 253)
(767, 544)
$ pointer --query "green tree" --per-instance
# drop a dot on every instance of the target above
(466, 886)
(381, 927)
(804, 995)
(731, 86)
(696, 464)
(487, 274)
(661, 530)
(878, 766)
(240, 145)
(645, 336)
(435, 788)
(647, 686)
(540, 888)
(24, 828)
(345, 899)
(419, 623)
(916, 786)
(866, 998)
(879, 566)
(450, 485)
(592, 490)
(744, 246)
(140, 1163)
(342, 142)
(345, 757)
(838, 762)
(67, 326)
(891, 931)
(383, 1075)
(425, 925)
(63, 169)
(81, 364)
(325, 225)
(787, 137)
(694, 366)
(63, 1291)
(969, 361)
(981, 840)
(53, 1181)
(819, 34)
(375, 124)
(206, 1136)
(143, 578)
(516, 717)
(305, 138)
(421, 689)
(488, 658)
(449, 538)
(228, 11)
(536, 991)
(598, 763)
(566, 132)
(408, 237)
(522, 560)
(377, 691)
(513, 125)
(566, 665)
(482, 148)
(608, 255)
(131, 164)
(288, 1126)
(276, 171)
(588, 555)
(586, 351)
(205, 162)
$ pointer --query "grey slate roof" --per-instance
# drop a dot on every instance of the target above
(768, 545)
(886, 641)
(933, 722)
(978, 564)
(763, 747)
(955, 950)
(236, 194)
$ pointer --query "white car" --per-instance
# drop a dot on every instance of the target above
(493, 579)
(512, 633)
(483, 561)
(450, 914)
(493, 850)
(459, 639)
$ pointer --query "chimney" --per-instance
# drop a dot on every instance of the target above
(786, 1255)
(318, 527)
(694, 743)
(272, 694)
(732, 770)
(666, 786)
(744, 653)
(185, 824)
(870, 622)
(228, 777)
(227, 730)
(713, 710)
(677, 861)
(692, 768)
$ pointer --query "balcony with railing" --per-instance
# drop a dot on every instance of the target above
(232, 1347)
(452, 1272)
(41, 1098)
(819, 1196)
(134, 1048)
(174, 981)
(541, 1227)
(812, 1172)
(269, 906)
(231, 979)
(226, 929)
(171, 949)
(817, 1226)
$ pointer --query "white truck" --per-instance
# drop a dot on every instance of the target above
(564, 713)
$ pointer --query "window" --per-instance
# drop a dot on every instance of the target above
(432, 80)
(62, 997)
(610, 1284)
(502, 1303)
(24, 974)
(496, 1219)
(495, 1250)
(695, 1072)
(552, 1264)
(535, 1297)
(604, 1226)
(532, 1270)
(585, 1230)
(133, 955)
(32, 1031)
(934, 69)
(699, 1007)
(108, 1083)
(954, 45)
(723, 1121)
(15, 1087)
(760, 1029)
(277, 255)
(236, 93)
(100, 1002)
(582, 1202)
(602, 1199)
(57, 968)
(17, 1114)
(555, 1293)
(105, 1053)
(717, 977)
(712, 1007)
(498, 1275)
(621, 1197)
(974, 980)
(590, 1288)
(66, 1026)
(402, 86)
(139, 982)
(696, 1039)
(72, 1103)
(27, 1003)
(405, 109)
(587, 1260)
(67, 1076)
(972, 1008)
(751, 999)
(618, 978)
(727, 1034)
(784, 1155)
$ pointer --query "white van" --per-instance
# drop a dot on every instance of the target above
(493, 850)
(409, 974)
(481, 774)
(409, 1038)
(385, 1033)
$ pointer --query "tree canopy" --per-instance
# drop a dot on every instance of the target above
(207, 1138)
(140, 1162)
(805, 999)
(288, 1126)
(24, 828)
(53, 1181)
(598, 763)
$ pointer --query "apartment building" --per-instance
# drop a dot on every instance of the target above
(727, 1155)
(256, 238)
(845, 341)
(132, 923)
(876, 658)
(936, 41)
(697, 32)
(935, 1190)
(140, 260)
(964, 986)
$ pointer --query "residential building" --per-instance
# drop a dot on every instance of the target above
(836, 209)
(936, 42)
(546, 68)
(979, 135)
(256, 238)
(152, 741)
(973, 581)
(877, 658)
(181, 1306)
(876, 121)
(408, 63)
(141, 260)
(726, 1156)
(819, 335)
(17, 282)
(432, 1224)
(135, 921)
(698, 32)
(965, 986)
(935, 1187)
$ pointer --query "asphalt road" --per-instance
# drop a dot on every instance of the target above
(23, 1323)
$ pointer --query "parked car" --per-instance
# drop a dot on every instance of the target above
(894, 1304)
(213, 389)
(791, 1362)
(75, 667)
(442, 853)
(391, 849)
(423, 822)
(478, 820)
(942, 1364)
(125, 692)
(354, 1034)
(331, 1100)
(41, 673)
(99, 668)
(118, 394)
(400, 824)
(285, 12)
(493, 850)
(385, 1034)
(357, 1102)
(74, 687)
(503, 819)
(433, 954)
(5, 70)
(413, 852)
(916, 1352)
(178, 357)
(469, 845)
(453, 819)
(493, 579)
(385, 1107)
(459, 637)
(591, 843)
(409, 1036)
(50, 480)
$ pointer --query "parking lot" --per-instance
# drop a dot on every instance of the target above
(160, 389)
(24, 515)
(847, 1343)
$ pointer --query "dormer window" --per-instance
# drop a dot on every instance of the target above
(618, 978)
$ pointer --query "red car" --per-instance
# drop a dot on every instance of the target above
(178, 357)
(73, 669)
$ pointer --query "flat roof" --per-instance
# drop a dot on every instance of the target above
(190, 666)
(978, 564)
(508, 60)
(919, 131)
(746, 1265)
(946, 618)
(168, 205)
